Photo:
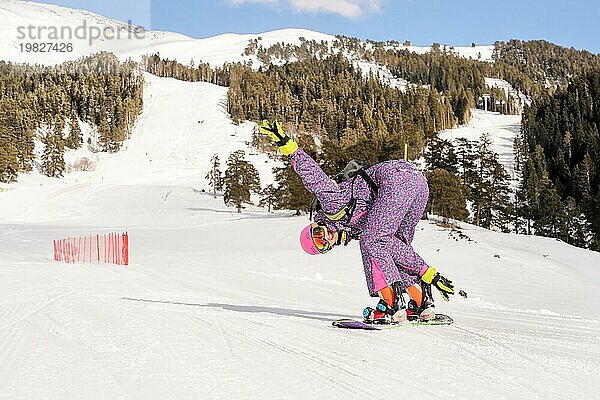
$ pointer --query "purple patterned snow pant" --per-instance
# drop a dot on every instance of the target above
(389, 227)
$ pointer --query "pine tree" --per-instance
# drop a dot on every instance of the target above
(576, 228)
(480, 194)
(582, 174)
(17, 132)
(520, 157)
(461, 104)
(502, 212)
(9, 163)
(268, 195)
(520, 153)
(241, 179)
(104, 135)
(74, 140)
(535, 177)
(291, 193)
(441, 154)
(551, 221)
(53, 163)
(487, 181)
(214, 176)
(591, 206)
(465, 159)
(447, 195)
(493, 210)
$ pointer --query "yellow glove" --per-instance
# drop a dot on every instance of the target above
(444, 285)
(286, 144)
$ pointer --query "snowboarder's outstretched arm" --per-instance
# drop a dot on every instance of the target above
(315, 180)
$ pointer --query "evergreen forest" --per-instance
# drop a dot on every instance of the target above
(49, 103)
(339, 112)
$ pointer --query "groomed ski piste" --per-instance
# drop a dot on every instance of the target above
(502, 130)
(217, 304)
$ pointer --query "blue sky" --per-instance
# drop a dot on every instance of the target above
(455, 22)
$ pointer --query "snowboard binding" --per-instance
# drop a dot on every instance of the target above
(384, 314)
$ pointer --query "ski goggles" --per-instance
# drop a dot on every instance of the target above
(319, 237)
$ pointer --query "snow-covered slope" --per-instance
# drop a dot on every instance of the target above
(502, 129)
(24, 22)
(182, 126)
(480, 53)
(222, 305)
(217, 304)
(16, 16)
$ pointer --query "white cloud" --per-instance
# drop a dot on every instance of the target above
(345, 8)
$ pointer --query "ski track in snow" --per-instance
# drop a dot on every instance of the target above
(202, 323)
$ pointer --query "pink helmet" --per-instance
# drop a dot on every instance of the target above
(314, 239)
(306, 241)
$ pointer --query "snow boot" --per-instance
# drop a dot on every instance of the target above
(420, 306)
(384, 313)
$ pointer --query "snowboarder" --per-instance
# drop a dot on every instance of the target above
(380, 206)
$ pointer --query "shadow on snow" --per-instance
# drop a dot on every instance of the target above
(287, 312)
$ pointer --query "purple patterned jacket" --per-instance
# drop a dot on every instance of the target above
(385, 221)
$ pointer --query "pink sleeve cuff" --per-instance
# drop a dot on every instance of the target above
(423, 270)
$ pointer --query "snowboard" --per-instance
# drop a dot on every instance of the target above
(440, 319)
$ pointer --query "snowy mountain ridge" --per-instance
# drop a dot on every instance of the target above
(213, 50)
(17, 16)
